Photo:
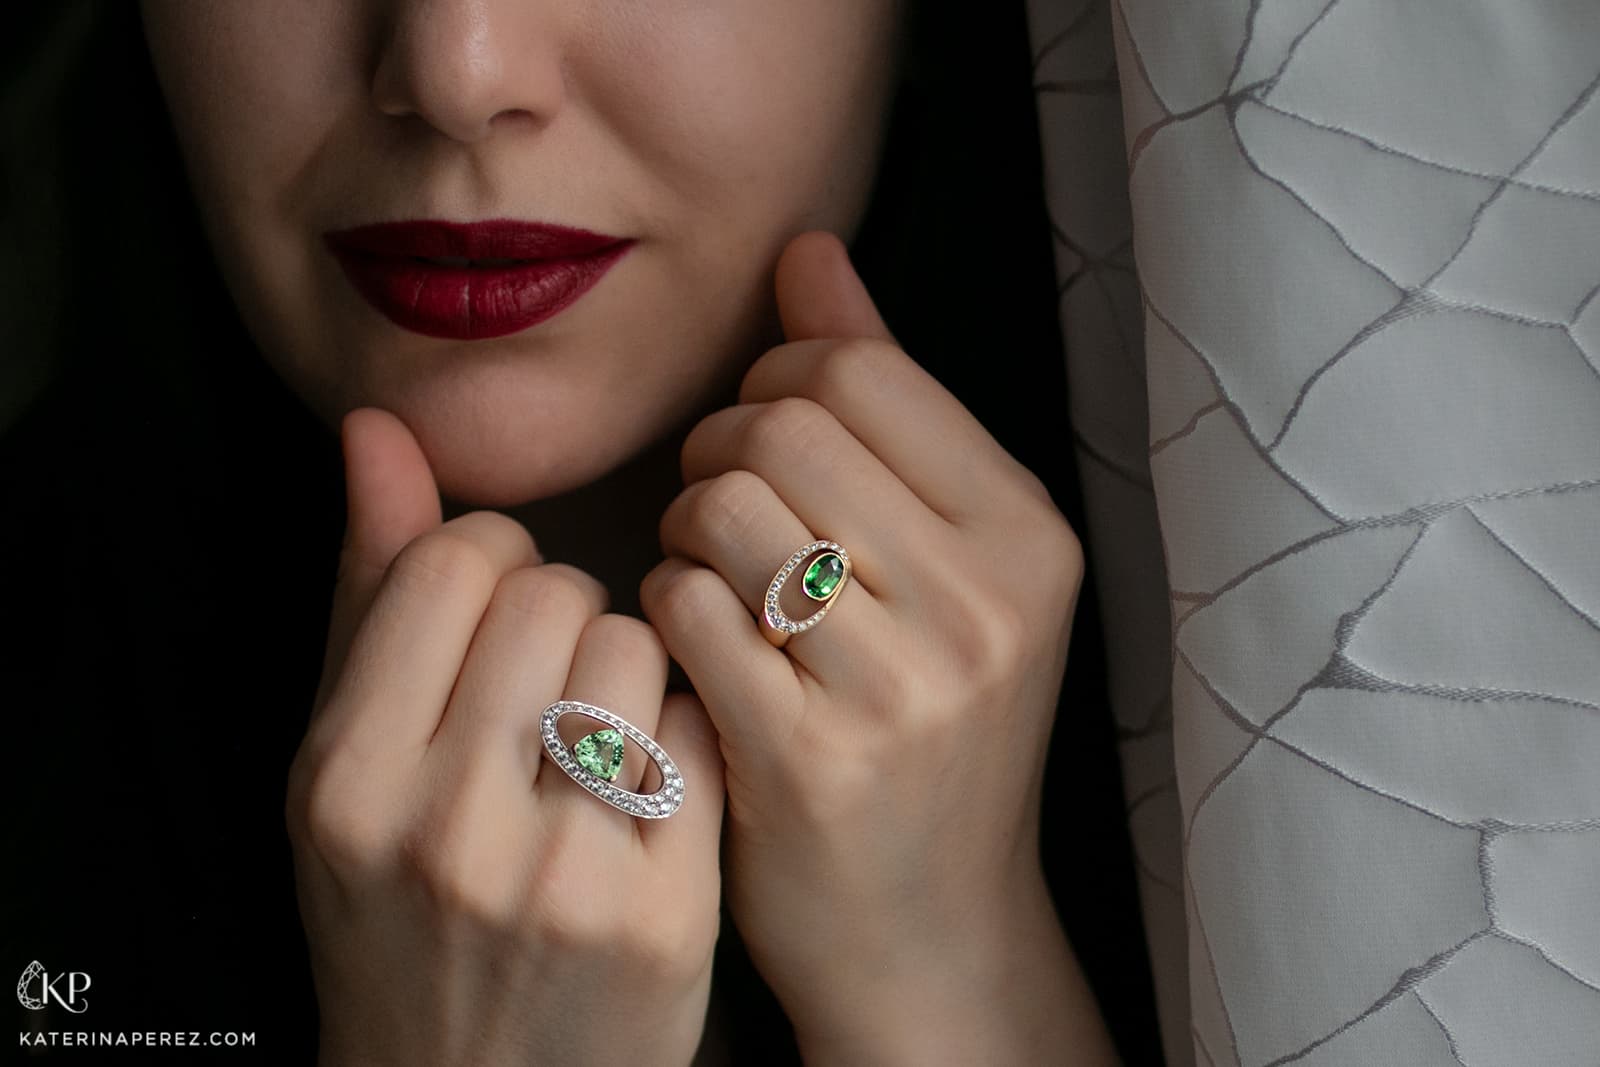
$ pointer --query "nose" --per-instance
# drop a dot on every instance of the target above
(464, 65)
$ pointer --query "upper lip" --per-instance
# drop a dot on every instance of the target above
(489, 239)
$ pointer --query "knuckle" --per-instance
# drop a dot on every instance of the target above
(1068, 552)
(1054, 552)
(571, 924)
(569, 909)
(295, 795)
(327, 816)
(442, 558)
(910, 710)
(487, 526)
(1034, 487)
(437, 856)
(988, 641)
(542, 593)
(783, 427)
(826, 787)
(688, 594)
(1041, 537)
(622, 638)
(664, 943)
(727, 506)
(896, 695)
(852, 365)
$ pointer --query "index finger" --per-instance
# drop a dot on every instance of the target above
(914, 425)
(390, 500)
(841, 354)
(407, 651)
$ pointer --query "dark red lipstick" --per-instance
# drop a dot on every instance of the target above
(469, 281)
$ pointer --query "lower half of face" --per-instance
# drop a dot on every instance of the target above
(702, 134)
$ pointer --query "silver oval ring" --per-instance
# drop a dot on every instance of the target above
(578, 761)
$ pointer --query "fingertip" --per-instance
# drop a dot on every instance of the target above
(794, 278)
(820, 294)
(813, 246)
(592, 588)
(364, 428)
(390, 493)
(650, 585)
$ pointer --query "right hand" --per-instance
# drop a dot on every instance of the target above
(464, 902)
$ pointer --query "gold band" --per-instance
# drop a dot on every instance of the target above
(822, 581)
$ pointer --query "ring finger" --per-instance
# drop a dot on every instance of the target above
(621, 666)
(736, 524)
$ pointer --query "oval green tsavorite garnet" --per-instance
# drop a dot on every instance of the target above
(823, 576)
(600, 753)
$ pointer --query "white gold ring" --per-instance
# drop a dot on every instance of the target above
(595, 760)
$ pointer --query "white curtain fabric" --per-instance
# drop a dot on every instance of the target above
(1328, 273)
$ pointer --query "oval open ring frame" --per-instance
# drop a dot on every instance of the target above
(778, 626)
(667, 799)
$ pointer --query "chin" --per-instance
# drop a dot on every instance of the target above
(505, 428)
(516, 462)
(484, 481)
(504, 448)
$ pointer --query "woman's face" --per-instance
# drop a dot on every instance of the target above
(707, 132)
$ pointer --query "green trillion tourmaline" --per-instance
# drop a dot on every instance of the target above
(823, 576)
(605, 764)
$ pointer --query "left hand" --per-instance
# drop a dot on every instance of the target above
(883, 768)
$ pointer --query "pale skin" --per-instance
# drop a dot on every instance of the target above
(464, 901)
(883, 872)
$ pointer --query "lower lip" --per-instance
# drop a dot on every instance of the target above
(474, 303)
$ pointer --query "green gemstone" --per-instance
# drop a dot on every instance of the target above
(601, 753)
(823, 576)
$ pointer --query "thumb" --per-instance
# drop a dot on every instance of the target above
(820, 295)
(391, 499)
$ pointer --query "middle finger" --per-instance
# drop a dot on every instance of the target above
(621, 666)
(516, 665)
(827, 477)
(736, 525)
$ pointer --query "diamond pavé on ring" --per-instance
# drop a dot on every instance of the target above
(658, 805)
(778, 626)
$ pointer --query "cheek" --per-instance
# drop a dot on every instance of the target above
(257, 94)
(252, 88)
(255, 91)
(767, 109)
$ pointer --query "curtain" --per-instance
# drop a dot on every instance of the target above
(1327, 278)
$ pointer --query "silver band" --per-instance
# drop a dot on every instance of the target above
(658, 805)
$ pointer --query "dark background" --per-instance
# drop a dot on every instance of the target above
(171, 517)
